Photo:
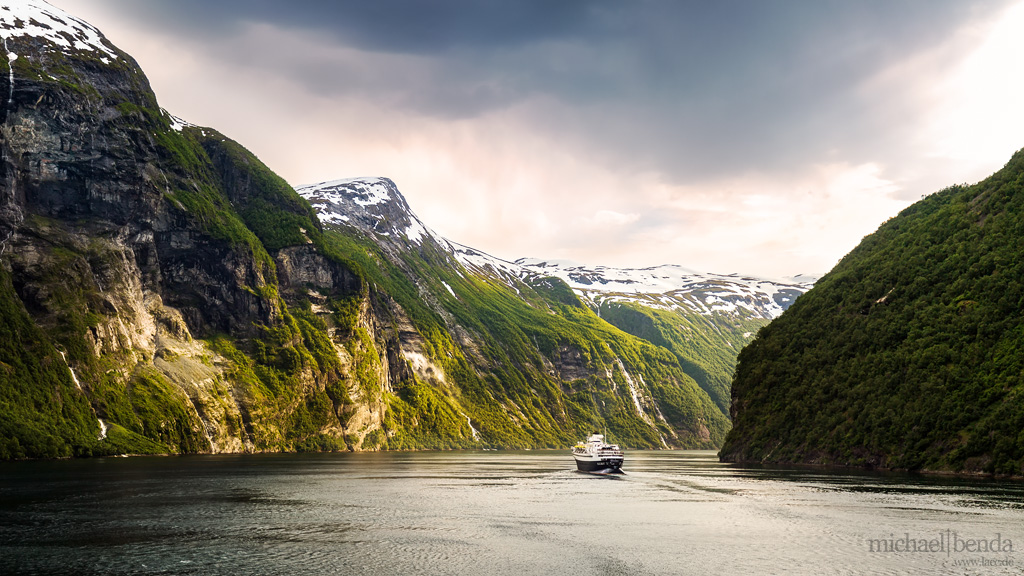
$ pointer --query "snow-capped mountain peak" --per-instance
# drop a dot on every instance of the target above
(364, 192)
(38, 19)
(371, 204)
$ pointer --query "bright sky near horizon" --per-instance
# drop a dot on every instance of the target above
(741, 136)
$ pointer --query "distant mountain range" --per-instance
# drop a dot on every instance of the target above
(378, 209)
(673, 287)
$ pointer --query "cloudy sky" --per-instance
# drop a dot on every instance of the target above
(763, 137)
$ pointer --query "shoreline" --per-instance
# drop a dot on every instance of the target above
(875, 469)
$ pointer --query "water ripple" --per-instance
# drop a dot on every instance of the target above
(484, 513)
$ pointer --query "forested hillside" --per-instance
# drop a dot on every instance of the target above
(909, 354)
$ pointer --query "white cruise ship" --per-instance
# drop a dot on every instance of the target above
(595, 455)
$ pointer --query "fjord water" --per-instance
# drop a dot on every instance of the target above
(679, 512)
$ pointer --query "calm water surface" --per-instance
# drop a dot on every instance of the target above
(492, 513)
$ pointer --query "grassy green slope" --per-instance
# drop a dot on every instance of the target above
(908, 354)
(706, 346)
(41, 411)
(517, 335)
(290, 370)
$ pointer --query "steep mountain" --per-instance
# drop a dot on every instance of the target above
(161, 290)
(909, 354)
(143, 308)
(515, 346)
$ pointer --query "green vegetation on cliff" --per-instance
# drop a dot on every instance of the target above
(706, 346)
(535, 353)
(909, 354)
(41, 411)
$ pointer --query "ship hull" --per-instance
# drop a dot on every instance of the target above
(601, 465)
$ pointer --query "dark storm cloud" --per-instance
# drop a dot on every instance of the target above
(414, 26)
(687, 89)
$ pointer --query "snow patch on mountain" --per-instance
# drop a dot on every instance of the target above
(663, 287)
(38, 19)
(11, 57)
(416, 231)
(373, 205)
(360, 191)
(481, 262)
(177, 124)
(368, 191)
